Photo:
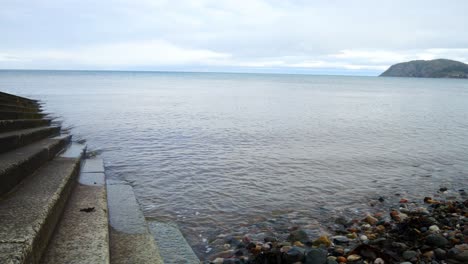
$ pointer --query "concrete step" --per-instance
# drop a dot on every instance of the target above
(28, 215)
(5, 115)
(172, 245)
(12, 97)
(81, 236)
(19, 138)
(18, 108)
(17, 124)
(19, 163)
(19, 103)
(130, 239)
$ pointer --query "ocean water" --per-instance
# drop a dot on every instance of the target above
(219, 153)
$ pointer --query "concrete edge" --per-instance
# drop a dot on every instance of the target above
(172, 244)
(130, 237)
(82, 235)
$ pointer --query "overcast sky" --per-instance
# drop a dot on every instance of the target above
(329, 36)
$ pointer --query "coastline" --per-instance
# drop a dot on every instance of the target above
(434, 230)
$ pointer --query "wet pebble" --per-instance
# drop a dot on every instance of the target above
(340, 240)
(298, 235)
(436, 240)
(316, 256)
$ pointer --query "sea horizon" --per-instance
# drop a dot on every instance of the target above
(279, 72)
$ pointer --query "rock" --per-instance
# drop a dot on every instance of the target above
(366, 226)
(440, 253)
(434, 228)
(285, 249)
(251, 246)
(343, 221)
(429, 255)
(285, 244)
(266, 246)
(378, 241)
(463, 257)
(256, 250)
(363, 238)
(399, 245)
(316, 256)
(429, 200)
(409, 254)
(338, 251)
(380, 229)
(270, 239)
(298, 244)
(298, 235)
(340, 240)
(443, 189)
(436, 240)
(381, 199)
(353, 257)
(420, 211)
(379, 261)
(397, 216)
(459, 253)
(331, 261)
(341, 259)
(295, 254)
(218, 261)
(371, 220)
(323, 240)
(232, 261)
(368, 253)
(225, 254)
(403, 200)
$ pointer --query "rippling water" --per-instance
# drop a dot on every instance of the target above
(217, 152)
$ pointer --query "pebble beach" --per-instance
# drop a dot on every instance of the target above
(432, 230)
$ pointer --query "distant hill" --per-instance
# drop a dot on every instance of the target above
(440, 68)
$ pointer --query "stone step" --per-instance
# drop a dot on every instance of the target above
(19, 138)
(19, 163)
(172, 245)
(5, 115)
(19, 103)
(12, 97)
(18, 108)
(81, 236)
(130, 239)
(17, 124)
(29, 214)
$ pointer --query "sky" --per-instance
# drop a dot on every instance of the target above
(347, 37)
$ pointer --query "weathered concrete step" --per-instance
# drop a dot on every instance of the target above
(13, 97)
(172, 245)
(5, 115)
(19, 103)
(82, 235)
(19, 138)
(130, 239)
(17, 124)
(28, 215)
(19, 163)
(18, 108)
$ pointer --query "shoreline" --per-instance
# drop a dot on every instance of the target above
(432, 230)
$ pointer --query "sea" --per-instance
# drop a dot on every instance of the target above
(253, 154)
